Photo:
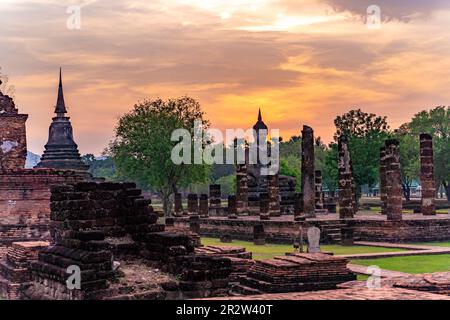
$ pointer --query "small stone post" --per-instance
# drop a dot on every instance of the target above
(178, 204)
(298, 207)
(203, 207)
(259, 236)
(232, 207)
(264, 206)
(192, 203)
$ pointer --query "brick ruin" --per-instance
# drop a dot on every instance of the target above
(13, 140)
(215, 202)
(427, 175)
(241, 189)
(345, 181)
(24, 193)
(15, 274)
(295, 272)
(25, 203)
(112, 234)
(99, 227)
(393, 181)
(274, 195)
(268, 196)
(308, 181)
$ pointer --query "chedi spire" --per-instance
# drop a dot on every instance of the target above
(61, 151)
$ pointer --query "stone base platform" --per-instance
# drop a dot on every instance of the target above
(241, 260)
(438, 282)
(366, 227)
(346, 294)
(15, 275)
(294, 273)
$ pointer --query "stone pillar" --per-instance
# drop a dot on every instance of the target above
(427, 175)
(259, 236)
(215, 201)
(345, 188)
(192, 203)
(383, 195)
(318, 189)
(308, 183)
(178, 204)
(232, 207)
(264, 206)
(298, 206)
(203, 207)
(274, 195)
(242, 189)
(393, 181)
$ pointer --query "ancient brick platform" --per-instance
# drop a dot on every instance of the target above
(295, 272)
(225, 251)
(437, 282)
(241, 260)
(346, 294)
(15, 276)
(366, 227)
(93, 224)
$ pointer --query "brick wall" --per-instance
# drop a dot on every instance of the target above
(417, 230)
(25, 202)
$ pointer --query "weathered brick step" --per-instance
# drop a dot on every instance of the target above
(383, 272)
(241, 289)
(396, 254)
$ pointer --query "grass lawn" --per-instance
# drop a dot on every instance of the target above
(437, 244)
(411, 264)
(362, 277)
(270, 250)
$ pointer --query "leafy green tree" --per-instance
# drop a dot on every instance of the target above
(366, 133)
(291, 147)
(102, 167)
(142, 146)
(437, 123)
(409, 161)
(290, 166)
(227, 184)
(330, 171)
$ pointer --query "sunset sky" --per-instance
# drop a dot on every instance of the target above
(301, 61)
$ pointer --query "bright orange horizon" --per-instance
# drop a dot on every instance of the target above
(300, 61)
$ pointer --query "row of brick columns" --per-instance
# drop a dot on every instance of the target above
(311, 198)
(391, 193)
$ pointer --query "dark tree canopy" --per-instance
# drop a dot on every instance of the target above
(142, 146)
